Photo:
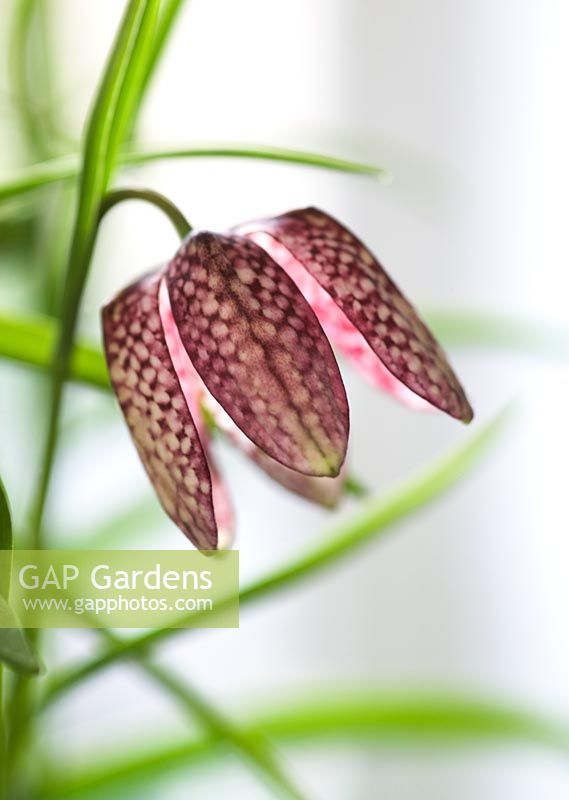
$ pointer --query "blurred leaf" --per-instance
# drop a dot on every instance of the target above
(373, 717)
(355, 487)
(483, 329)
(30, 76)
(66, 168)
(6, 543)
(252, 747)
(31, 340)
(372, 517)
(111, 113)
(15, 650)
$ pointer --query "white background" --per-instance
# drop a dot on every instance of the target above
(465, 104)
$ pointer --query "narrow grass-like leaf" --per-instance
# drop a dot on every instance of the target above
(6, 543)
(111, 112)
(252, 747)
(374, 716)
(27, 56)
(106, 123)
(67, 167)
(169, 12)
(372, 518)
(15, 650)
(485, 329)
(31, 341)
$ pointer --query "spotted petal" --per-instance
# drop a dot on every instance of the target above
(360, 307)
(260, 350)
(195, 395)
(323, 491)
(156, 411)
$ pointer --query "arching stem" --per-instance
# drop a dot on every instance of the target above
(165, 205)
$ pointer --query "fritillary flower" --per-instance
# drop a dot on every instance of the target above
(237, 328)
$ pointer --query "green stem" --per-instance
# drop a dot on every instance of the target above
(67, 168)
(156, 199)
(373, 517)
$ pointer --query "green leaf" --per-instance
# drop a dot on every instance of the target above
(373, 517)
(111, 113)
(499, 331)
(31, 341)
(169, 12)
(15, 650)
(67, 167)
(373, 716)
(255, 749)
(6, 543)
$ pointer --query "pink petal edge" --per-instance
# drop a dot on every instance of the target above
(361, 301)
(160, 422)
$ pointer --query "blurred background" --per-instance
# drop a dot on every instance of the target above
(464, 104)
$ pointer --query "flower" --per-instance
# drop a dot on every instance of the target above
(238, 325)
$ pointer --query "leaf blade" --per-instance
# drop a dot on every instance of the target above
(372, 716)
(6, 542)
(15, 649)
(66, 168)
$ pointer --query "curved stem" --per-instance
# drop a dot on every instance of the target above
(156, 199)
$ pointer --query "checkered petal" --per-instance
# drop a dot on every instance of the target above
(260, 351)
(360, 307)
(157, 412)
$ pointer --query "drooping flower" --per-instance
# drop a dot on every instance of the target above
(236, 325)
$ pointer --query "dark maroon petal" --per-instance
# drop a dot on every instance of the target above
(370, 303)
(156, 411)
(321, 490)
(260, 351)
